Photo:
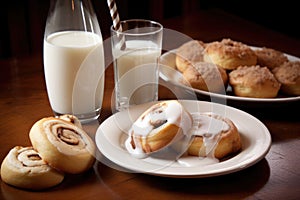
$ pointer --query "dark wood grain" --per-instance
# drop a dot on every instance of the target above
(23, 100)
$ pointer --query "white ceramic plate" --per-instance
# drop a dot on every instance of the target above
(256, 142)
(173, 77)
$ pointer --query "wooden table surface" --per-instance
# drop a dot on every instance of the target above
(23, 101)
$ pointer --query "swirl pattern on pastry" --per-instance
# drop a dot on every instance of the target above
(161, 125)
(23, 167)
(63, 145)
(214, 136)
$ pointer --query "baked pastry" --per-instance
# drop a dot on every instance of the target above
(271, 58)
(63, 145)
(229, 54)
(23, 167)
(189, 53)
(254, 81)
(288, 74)
(214, 136)
(207, 77)
(71, 118)
(160, 126)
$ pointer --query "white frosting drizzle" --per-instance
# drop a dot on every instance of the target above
(209, 126)
(170, 112)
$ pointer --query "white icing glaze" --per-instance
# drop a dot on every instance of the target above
(209, 126)
(192, 161)
(170, 112)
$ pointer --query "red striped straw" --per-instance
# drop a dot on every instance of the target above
(116, 20)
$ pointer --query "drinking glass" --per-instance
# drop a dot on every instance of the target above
(135, 52)
(74, 59)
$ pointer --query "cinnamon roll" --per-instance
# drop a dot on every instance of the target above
(23, 167)
(63, 145)
(213, 136)
(160, 126)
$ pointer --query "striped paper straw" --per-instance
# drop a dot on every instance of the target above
(116, 20)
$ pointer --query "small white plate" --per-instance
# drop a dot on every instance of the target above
(173, 77)
(256, 142)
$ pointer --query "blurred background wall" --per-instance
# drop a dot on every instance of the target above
(23, 21)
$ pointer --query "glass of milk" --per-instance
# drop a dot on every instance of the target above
(135, 52)
(74, 59)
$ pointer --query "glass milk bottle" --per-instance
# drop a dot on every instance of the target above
(74, 59)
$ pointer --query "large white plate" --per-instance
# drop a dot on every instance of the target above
(256, 142)
(173, 77)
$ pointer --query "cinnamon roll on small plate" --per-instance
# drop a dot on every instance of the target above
(165, 124)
